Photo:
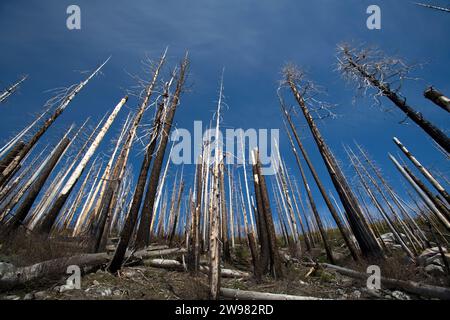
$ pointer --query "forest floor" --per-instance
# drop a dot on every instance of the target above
(140, 281)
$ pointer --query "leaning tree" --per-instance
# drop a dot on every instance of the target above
(370, 69)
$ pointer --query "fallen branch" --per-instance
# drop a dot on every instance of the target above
(176, 265)
(150, 253)
(254, 295)
(408, 286)
(49, 269)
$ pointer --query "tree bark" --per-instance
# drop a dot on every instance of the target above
(143, 233)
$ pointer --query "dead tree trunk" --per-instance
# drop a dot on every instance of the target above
(10, 90)
(366, 241)
(11, 155)
(264, 255)
(214, 213)
(319, 184)
(143, 233)
(424, 197)
(21, 212)
(423, 170)
(193, 258)
(257, 271)
(8, 172)
(438, 98)
(353, 66)
(268, 226)
(439, 205)
(132, 215)
(223, 204)
(53, 212)
(177, 212)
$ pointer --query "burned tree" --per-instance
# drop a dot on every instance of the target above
(34, 189)
(11, 89)
(266, 225)
(371, 69)
(49, 219)
(437, 98)
(367, 242)
(63, 99)
(159, 126)
(143, 233)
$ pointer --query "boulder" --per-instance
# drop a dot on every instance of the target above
(432, 255)
(434, 269)
(5, 268)
(399, 295)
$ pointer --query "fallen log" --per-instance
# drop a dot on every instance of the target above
(176, 265)
(150, 253)
(420, 289)
(57, 267)
(49, 269)
(254, 295)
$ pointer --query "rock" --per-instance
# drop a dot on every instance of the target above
(374, 293)
(390, 240)
(95, 283)
(340, 292)
(117, 292)
(339, 256)
(65, 288)
(434, 270)
(12, 297)
(429, 253)
(28, 296)
(400, 295)
(356, 294)
(5, 268)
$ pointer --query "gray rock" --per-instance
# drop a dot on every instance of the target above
(28, 296)
(429, 253)
(12, 297)
(356, 294)
(400, 295)
(5, 268)
(95, 283)
(65, 288)
(434, 270)
(340, 292)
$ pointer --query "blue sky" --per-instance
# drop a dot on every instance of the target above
(252, 40)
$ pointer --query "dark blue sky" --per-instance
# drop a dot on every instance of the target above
(252, 39)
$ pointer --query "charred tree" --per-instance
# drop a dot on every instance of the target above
(367, 242)
(49, 219)
(143, 233)
(370, 72)
(9, 171)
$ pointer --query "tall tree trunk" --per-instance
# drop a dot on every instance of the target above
(435, 133)
(53, 212)
(11, 89)
(367, 242)
(421, 193)
(319, 184)
(143, 233)
(438, 98)
(21, 212)
(276, 267)
(8, 172)
(423, 170)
